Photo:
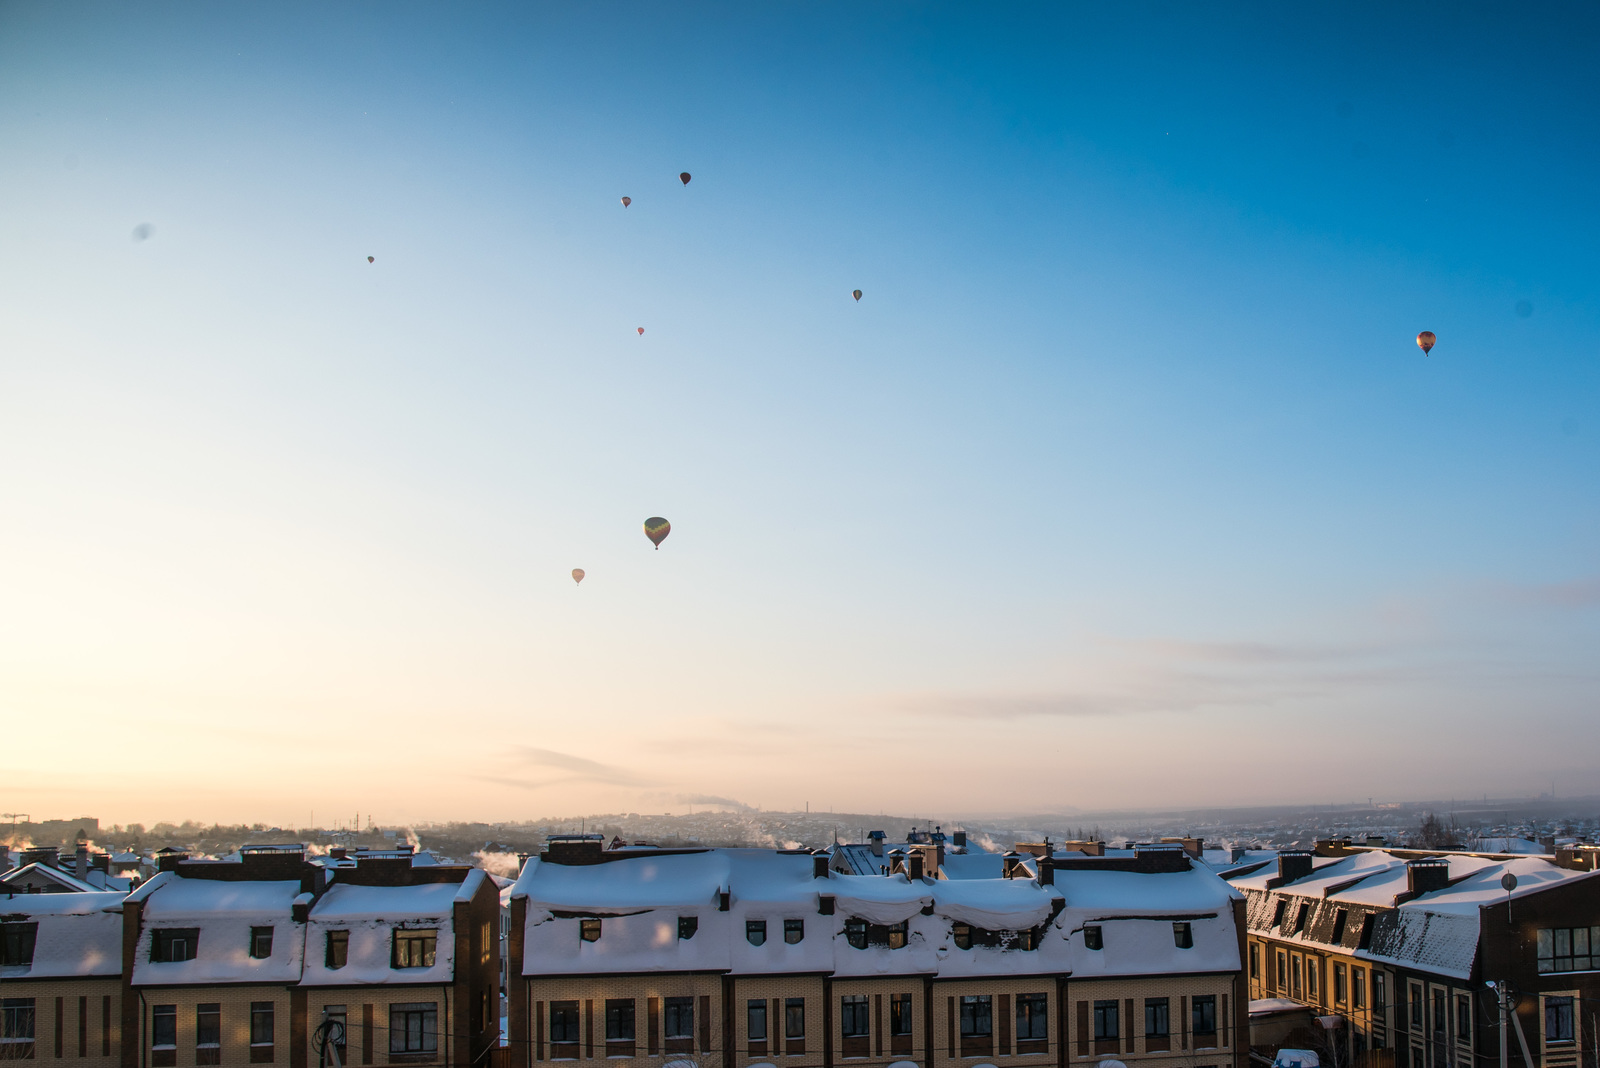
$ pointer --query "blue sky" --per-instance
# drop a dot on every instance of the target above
(1127, 448)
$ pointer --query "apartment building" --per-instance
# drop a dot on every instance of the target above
(43, 870)
(274, 960)
(740, 958)
(1395, 952)
(61, 977)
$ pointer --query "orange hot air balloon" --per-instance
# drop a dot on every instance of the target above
(641, 331)
(369, 259)
(577, 574)
(1425, 341)
(857, 295)
(684, 177)
(626, 201)
(657, 529)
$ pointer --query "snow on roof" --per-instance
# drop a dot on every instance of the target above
(645, 880)
(1257, 879)
(223, 913)
(47, 873)
(368, 916)
(975, 866)
(995, 904)
(79, 935)
(1268, 1006)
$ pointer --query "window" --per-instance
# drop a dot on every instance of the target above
(855, 932)
(1092, 938)
(1358, 987)
(1339, 918)
(1182, 935)
(1416, 1007)
(564, 1023)
(1557, 1019)
(1295, 971)
(16, 1029)
(962, 934)
(1365, 940)
(1283, 971)
(1300, 917)
(679, 1018)
(337, 950)
(1156, 1019)
(1033, 1017)
(173, 944)
(261, 1023)
(794, 1018)
(794, 931)
(589, 930)
(755, 932)
(338, 1029)
(1438, 1012)
(619, 1020)
(414, 1027)
(261, 942)
(1569, 949)
(1313, 970)
(16, 943)
(1277, 913)
(897, 935)
(1105, 1022)
(755, 1019)
(977, 1016)
(415, 948)
(687, 926)
(1341, 985)
(208, 1033)
(1204, 1010)
(164, 1035)
(899, 1014)
(853, 1016)
(1380, 995)
(1464, 1019)
(1255, 961)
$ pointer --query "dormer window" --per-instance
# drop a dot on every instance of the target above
(415, 948)
(855, 933)
(1092, 938)
(755, 932)
(687, 926)
(337, 951)
(961, 933)
(589, 930)
(261, 942)
(1182, 935)
(794, 931)
(172, 944)
(16, 943)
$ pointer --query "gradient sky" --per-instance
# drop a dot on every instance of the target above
(1123, 484)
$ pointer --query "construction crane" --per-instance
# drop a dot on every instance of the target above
(12, 816)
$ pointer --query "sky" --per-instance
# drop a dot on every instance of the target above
(1123, 484)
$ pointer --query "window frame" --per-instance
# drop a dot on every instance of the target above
(1032, 1011)
(755, 1008)
(590, 929)
(18, 940)
(1107, 1021)
(795, 928)
(257, 936)
(336, 949)
(755, 932)
(1203, 1014)
(674, 1012)
(565, 1015)
(688, 926)
(855, 1017)
(424, 1013)
(163, 939)
(420, 942)
(1554, 1017)
(977, 1010)
(621, 1015)
(1157, 1017)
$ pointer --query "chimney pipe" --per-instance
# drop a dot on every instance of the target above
(1426, 876)
(916, 864)
(819, 865)
(83, 860)
(1293, 864)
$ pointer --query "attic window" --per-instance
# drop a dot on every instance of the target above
(1339, 918)
(1182, 935)
(755, 932)
(1277, 913)
(794, 931)
(855, 932)
(173, 944)
(16, 943)
(1300, 917)
(261, 942)
(687, 926)
(337, 950)
(415, 948)
(589, 930)
(1366, 932)
(1092, 937)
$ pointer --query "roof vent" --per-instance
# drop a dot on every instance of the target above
(1293, 864)
(1426, 876)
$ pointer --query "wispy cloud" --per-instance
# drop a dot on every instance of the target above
(553, 768)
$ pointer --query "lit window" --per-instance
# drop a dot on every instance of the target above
(415, 948)
(589, 930)
(337, 950)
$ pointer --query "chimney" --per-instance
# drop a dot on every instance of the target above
(1009, 864)
(819, 865)
(1236, 854)
(1376, 841)
(1426, 876)
(338, 852)
(876, 839)
(1293, 864)
(1547, 843)
(897, 861)
(83, 860)
(958, 839)
(916, 864)
(1047, 870)
(723, 901)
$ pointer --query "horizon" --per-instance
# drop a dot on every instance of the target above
(1124, 481)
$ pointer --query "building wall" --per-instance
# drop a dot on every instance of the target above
(648, 994)
(367, 1015)
(1185, 1050)
(235, 1002)
(882, 1046)
(946, 1019)
(811, 1049)
(76, 1021)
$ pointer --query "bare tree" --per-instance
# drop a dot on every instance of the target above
(1435, 833)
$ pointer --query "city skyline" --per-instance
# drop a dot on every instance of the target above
(1123, 484)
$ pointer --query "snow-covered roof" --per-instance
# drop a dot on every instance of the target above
(370, 915)
(42, 874)
(223, 912)
(78, 935)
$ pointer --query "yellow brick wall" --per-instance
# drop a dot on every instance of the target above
(591, 994)
(780, 988)
(1175, 989)
(874, 988)
(356, 999)
(947, 1015)
(81, 1019)
(234, 1003)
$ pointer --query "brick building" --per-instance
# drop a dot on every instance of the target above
(61, 977)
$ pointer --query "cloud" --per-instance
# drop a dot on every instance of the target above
(566, 769)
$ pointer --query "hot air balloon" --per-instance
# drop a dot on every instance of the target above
(857, 295)
(370, 259)
(1425, 341)
(641, 331)
(626, 201)
(577, 574)
(657, 529)
(684, 177)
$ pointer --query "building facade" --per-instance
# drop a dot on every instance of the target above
(61, 977)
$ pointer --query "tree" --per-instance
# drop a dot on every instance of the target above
(1435, 833)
